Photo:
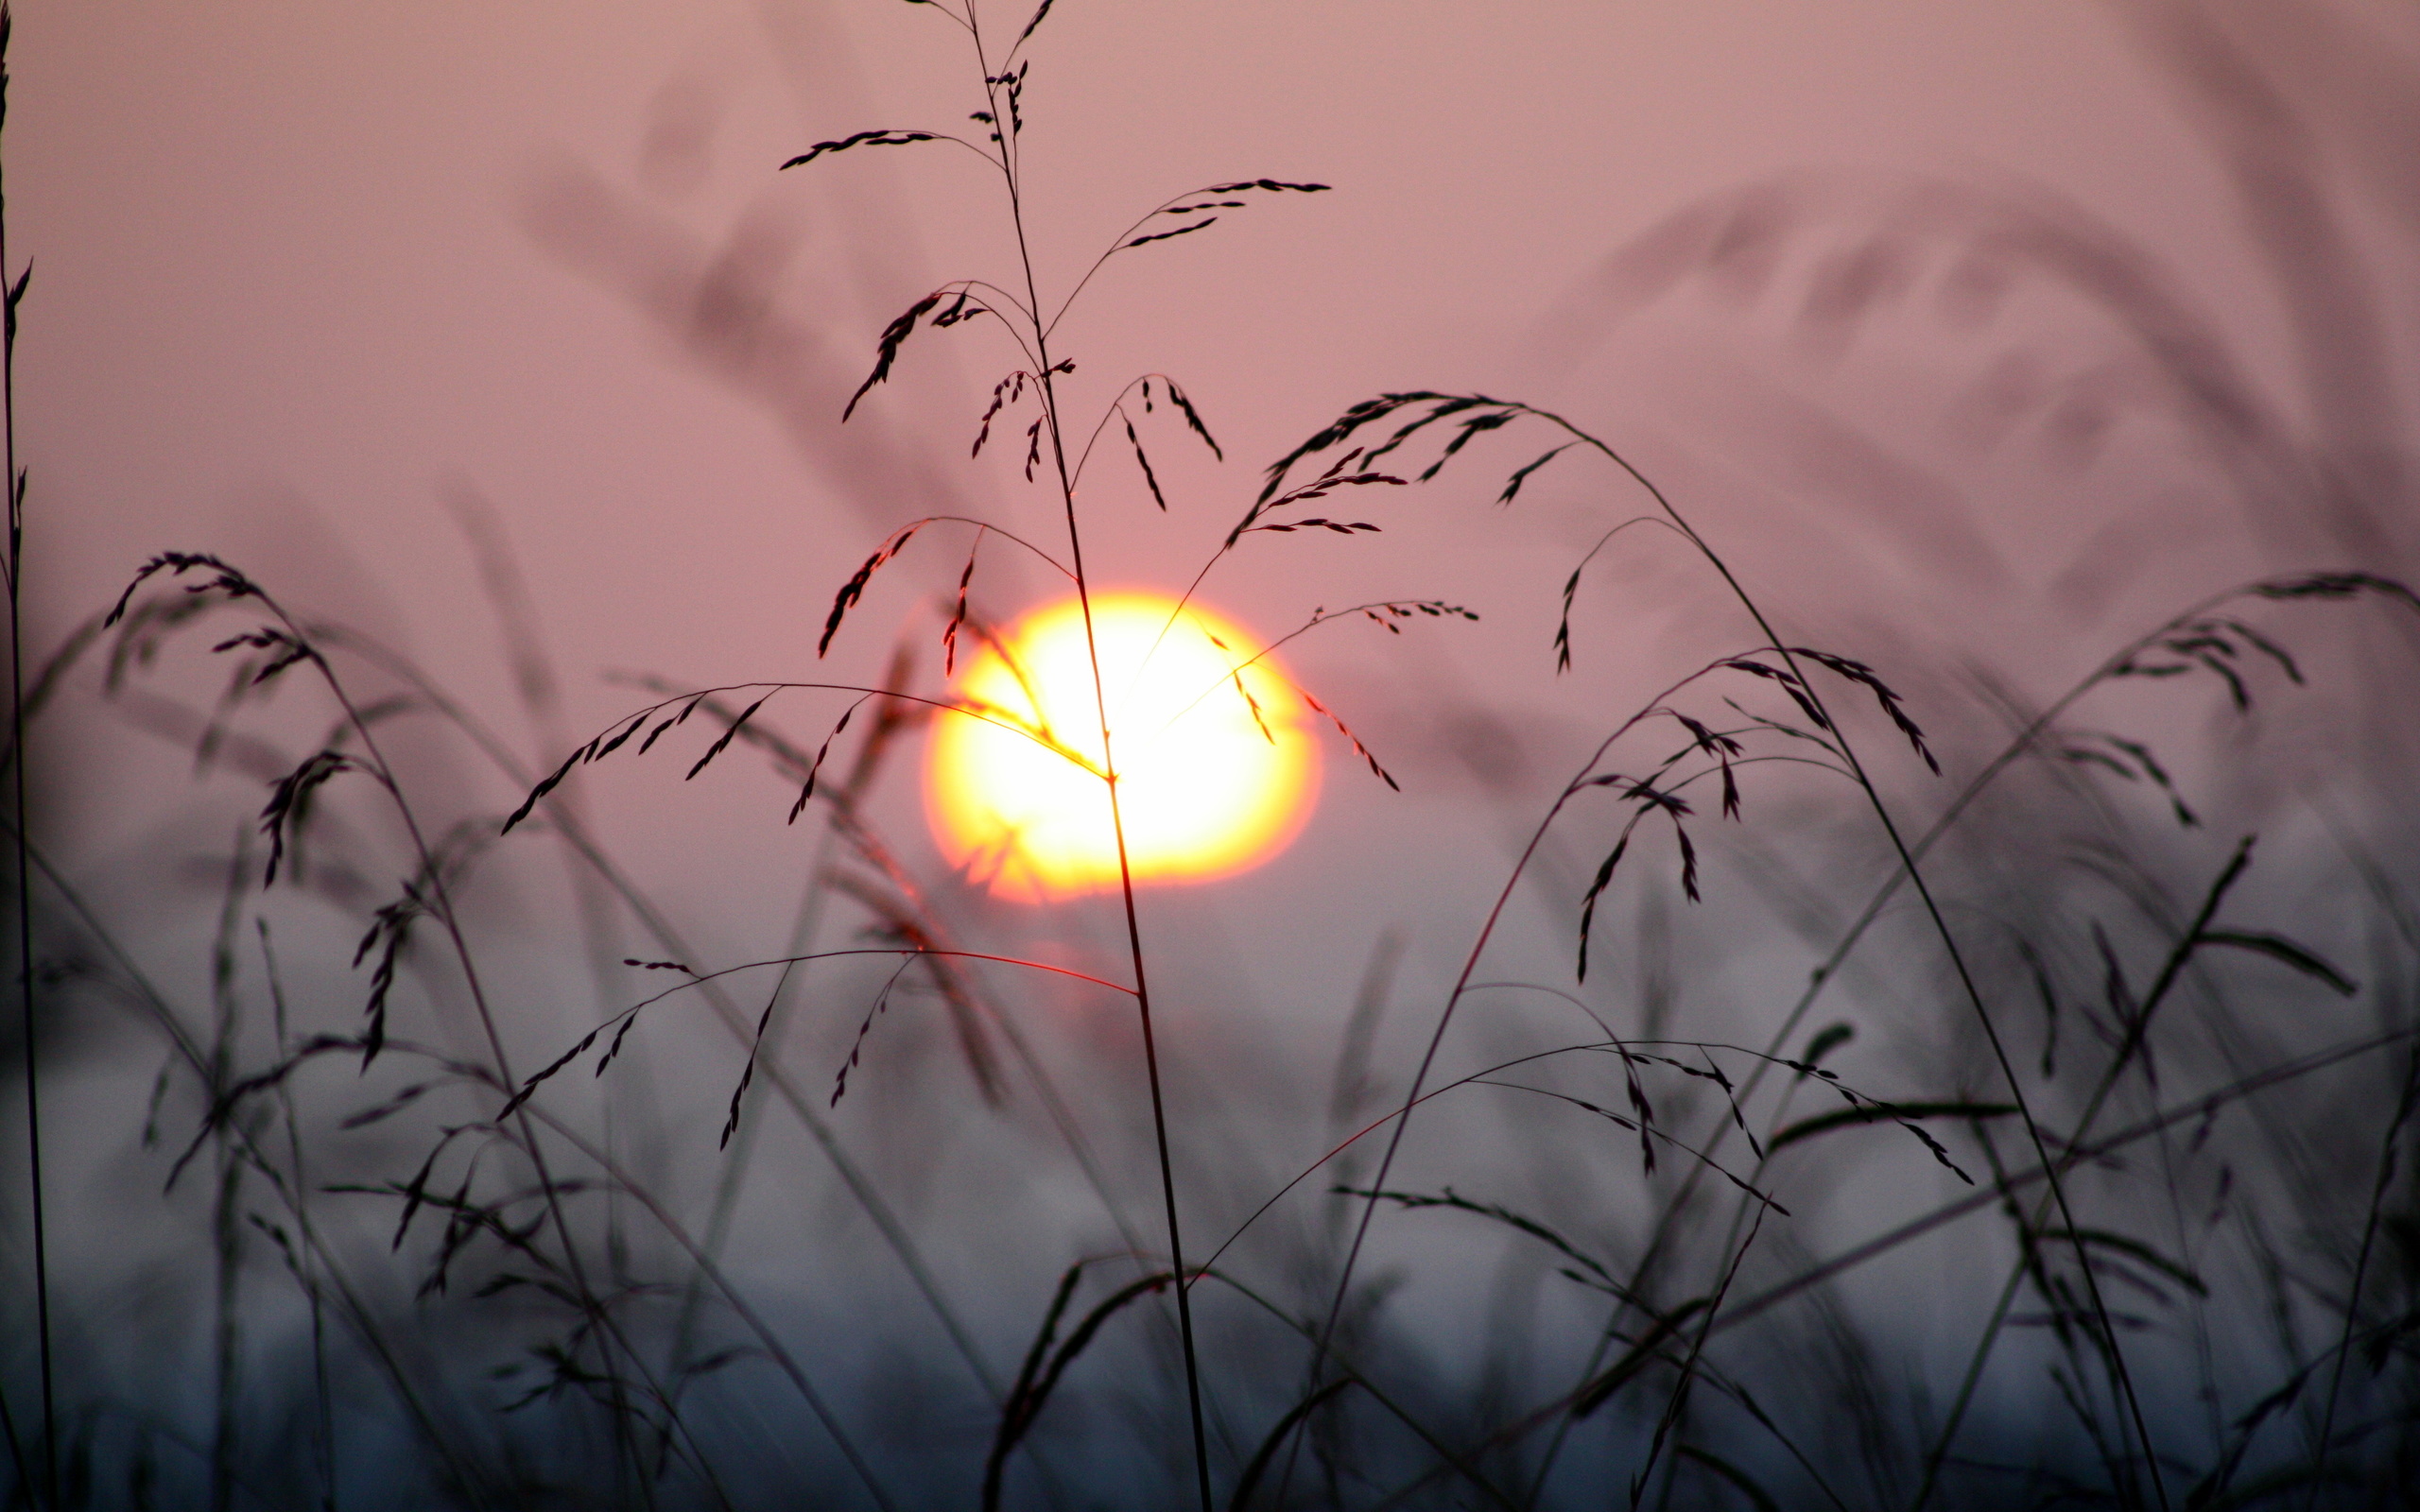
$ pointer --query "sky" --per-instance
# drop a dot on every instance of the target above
(365, 299)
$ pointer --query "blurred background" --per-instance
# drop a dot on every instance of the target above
(1978, 340)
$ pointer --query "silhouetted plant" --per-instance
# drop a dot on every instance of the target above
(509, 1206)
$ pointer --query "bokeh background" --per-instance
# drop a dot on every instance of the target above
(1979, 339)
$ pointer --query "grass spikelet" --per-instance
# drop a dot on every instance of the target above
(1512, 487)
(1017, 1414)
(552, 782)
(1144, 461)
(1861, 1114)
(748, 1071)
(854, 588)
(222, 579)
(860, 139)
(1788, 684)
(958, 610)
(1253, 704)
(893, 335)
(1334, 478)
(1597, 887)
(1203, 224)
(1040, 11)
(287, 649)
(1004, 393)
(1193, 419)
(2132, 761)
(289, 804)
(546, 1073)
(723, 741)
(1497, 1213)
(1826, 1039)
(1359, 749)
(389, 932)
(387, 1109)
(1859, 672)
(807, 791)
(618, 741)
(857, 1045)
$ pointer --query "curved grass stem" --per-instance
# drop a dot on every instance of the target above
(1493, 413)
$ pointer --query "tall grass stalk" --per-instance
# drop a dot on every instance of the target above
(304, 1262)
(15, 483)
(999, 91)
(1003, 85)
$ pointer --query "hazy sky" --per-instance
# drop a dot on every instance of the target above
(305, 273)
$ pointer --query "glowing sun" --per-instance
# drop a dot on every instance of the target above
(1216, 770)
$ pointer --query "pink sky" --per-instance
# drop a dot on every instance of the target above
(305, 273)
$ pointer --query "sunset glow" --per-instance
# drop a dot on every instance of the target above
(1209, 789)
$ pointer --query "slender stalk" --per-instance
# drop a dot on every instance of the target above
(17, 577)
(1004, 116)
(323, 1419)
(226, 1232)
(1133, 941)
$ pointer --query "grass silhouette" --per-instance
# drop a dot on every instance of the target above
(454, 1257)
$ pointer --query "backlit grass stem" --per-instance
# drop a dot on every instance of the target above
(15, 480)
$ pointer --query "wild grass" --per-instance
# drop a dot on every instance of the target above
(2050, 1148)
(15, 482)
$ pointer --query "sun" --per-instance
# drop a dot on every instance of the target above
(1216, 769)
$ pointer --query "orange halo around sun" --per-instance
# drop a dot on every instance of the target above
(1216, 772)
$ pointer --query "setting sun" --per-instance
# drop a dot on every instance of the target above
(1216, 770)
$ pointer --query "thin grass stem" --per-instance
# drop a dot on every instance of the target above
(14, 481)
(1002, 113)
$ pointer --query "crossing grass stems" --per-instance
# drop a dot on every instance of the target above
(503, 1178)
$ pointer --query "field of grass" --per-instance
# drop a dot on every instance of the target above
(1794, 1017)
